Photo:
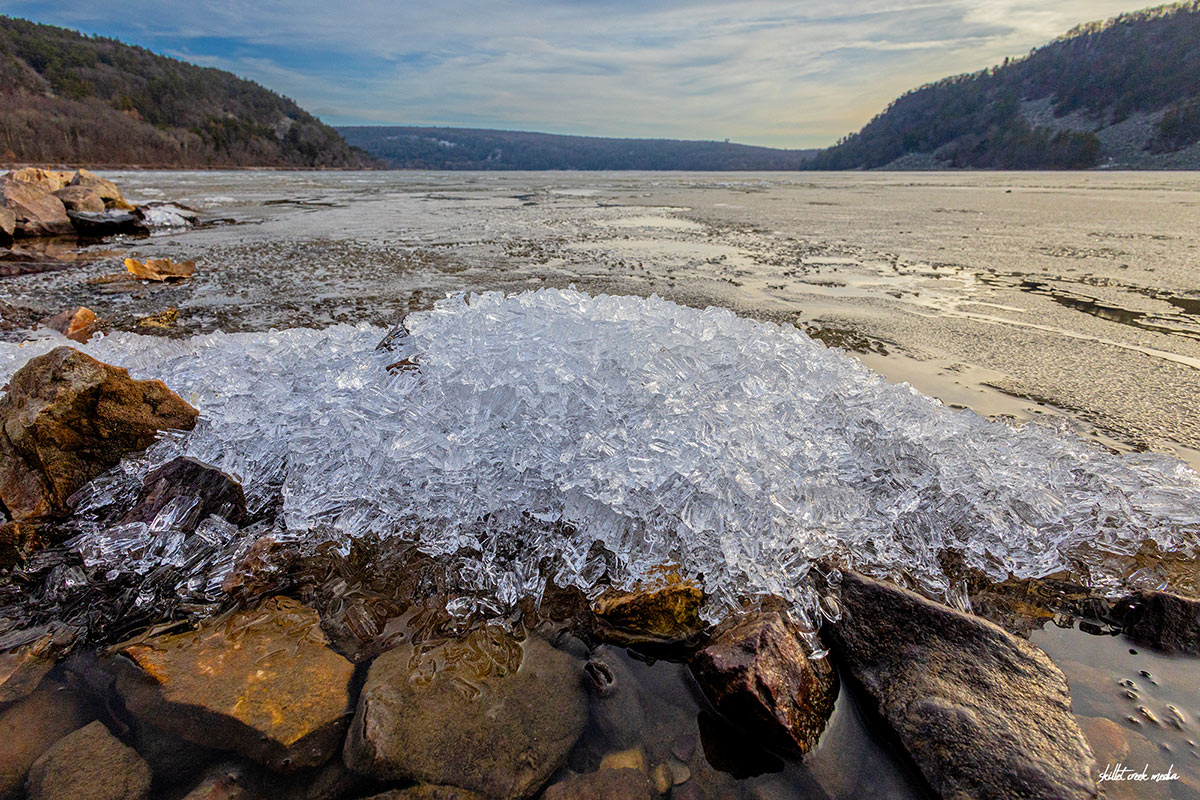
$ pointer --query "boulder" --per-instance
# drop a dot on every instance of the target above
(665, 610)
(77, 324)
(982, 713)
(261, 683)
(190, 491)
(29, 727)
(90, 763)
(106, 223)
(78, 198)
(36, 212)
(8, 227)
(1161, 620)
(68, 417)
(521, 713)
(106, 189)
(604, 784)
(48, 180)
(22, 668)
(756, 672)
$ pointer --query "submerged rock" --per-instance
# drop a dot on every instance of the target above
(90, 763)
(36, 212)
(666, 610)
(604, 784)
(106, 189)
(428, 791)
(79, 198)
(106, 223)
(616, 699)
(488, 714)
(1161, 620)
(77, 323)
(262, 683)
(756, 672)
(68, 417)
(982, 713)
(189, 491)
(29, 727)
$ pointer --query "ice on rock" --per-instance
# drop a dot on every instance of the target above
(552, 426)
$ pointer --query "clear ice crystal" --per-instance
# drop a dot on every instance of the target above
(552, 426)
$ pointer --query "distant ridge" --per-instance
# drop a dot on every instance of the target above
(74, 99)
(407, 147)
(1119, 93)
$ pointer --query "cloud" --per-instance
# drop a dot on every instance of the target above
(793, 74)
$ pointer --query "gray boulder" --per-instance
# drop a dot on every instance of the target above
(90, 763)
(982, 713)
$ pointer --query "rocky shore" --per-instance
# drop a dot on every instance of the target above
(323, 674)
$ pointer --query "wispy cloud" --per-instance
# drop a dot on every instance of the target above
(792, 74)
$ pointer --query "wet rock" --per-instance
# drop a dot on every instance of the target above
(77, 323)
(606, 784)
(190, 491)
(8, 226)
(486, 714)
(91, 763)
(79, 198)
(756, 672)
(230, 781)
(633, 758)
(160, 319)
(36, 212)
(106, 223)
(982, 713)
(48, 180)
(428, 792)
(1161, 620)
(160, 269)
(616, 698)
(29, 727)
(22, 669)
(106, 189)
(666, 610)
(20, 261)
(68, 417)
(262, 683)
(18, 539)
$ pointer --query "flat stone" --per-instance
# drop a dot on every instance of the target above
(495, 716)
(190, 491)
(1161, 620)
(261, 683)
(756, 672)
(66, 418)
(982, 713)
(30, 726)
(90, 763)
(663, 610)
(605, 784)
(36, 212)
(79, 198)
(106, 223)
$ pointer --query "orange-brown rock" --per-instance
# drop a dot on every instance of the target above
(106, 189)
(665, 609)
(262, 683)
(8, 226)
(79, 198)
(36, 212)
(77, 323)
(22, 669)
(17, 539)
(49, 180)
(68, 417)
(160, 269)
(29, 727)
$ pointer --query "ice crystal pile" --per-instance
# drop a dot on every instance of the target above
(541, 425)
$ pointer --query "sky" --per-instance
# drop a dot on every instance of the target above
(782, 74)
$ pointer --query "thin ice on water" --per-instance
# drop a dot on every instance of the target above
(543, 424)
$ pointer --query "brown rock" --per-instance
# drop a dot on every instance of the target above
(47, 180)
(496, 717)
(161, 319)
(663, 610)
(79, 198)
(605, 784)
(106, 189)
(89, 763)
(66, 418)
(160, 269)
(29, 727)
(428, 791)
(36, 211)
(8, 227)
(17, 539)
(77, 323)
(982, 713)
(22, 669)
(262, 683)
(195, 490)
(757, 673)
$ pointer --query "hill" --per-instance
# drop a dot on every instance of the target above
(1121, 93)
(70, 98)
(466, 148)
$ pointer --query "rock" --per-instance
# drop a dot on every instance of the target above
(161, 319)
(167, 215)
(428, 792)
(160, 269)
(48, 180)
(262, 683)
(633, 758)
(1161, 620)
(22, 669)
(77, 323)
(503, 738)
(106, 223)
(20, 261)
(29, 727)
(227, 782)
(66, 418)
(90, 763)
(8, 227)
(982, 713)
(36, 212)
(616, 699)
(756, 672)
(79, 198)
(106, 189)
(606, 784)
(193, 490)
(666, 610)
(16, 540)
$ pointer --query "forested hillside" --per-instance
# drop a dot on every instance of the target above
(1125, 92)
(69, 98)
(464, 148)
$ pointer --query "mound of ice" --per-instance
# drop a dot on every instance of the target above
(543, 424)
